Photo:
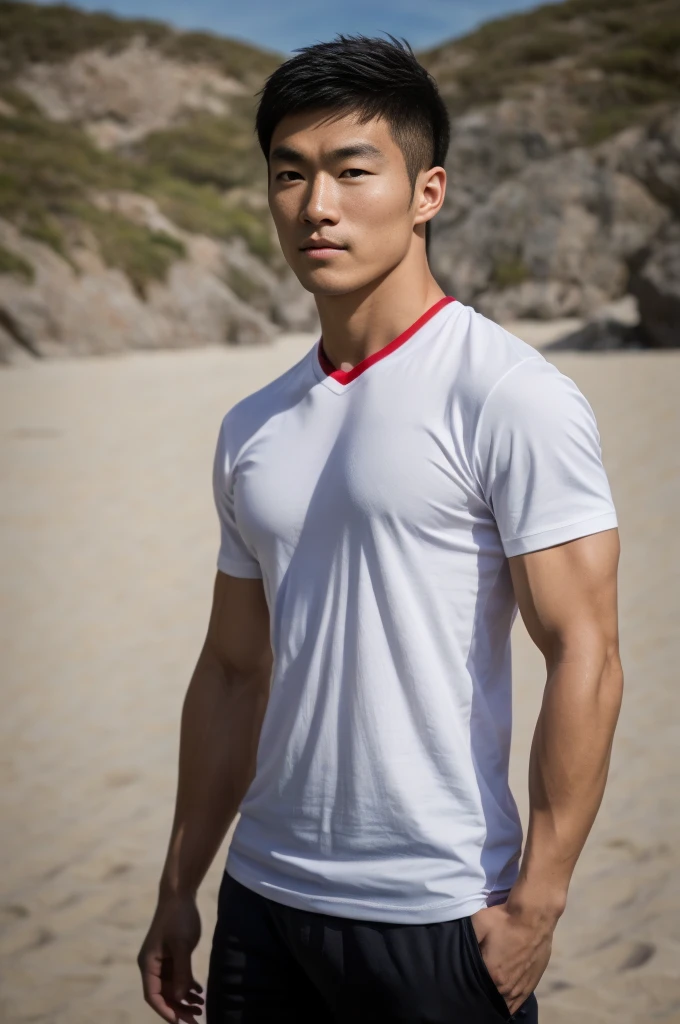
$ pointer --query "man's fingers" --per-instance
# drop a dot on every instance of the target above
(187, 1014)
(195, 989)
(187, 1009)
(174, 1010)
(151, 965)
(523, 988)
(157, 1002)
(160, 979)
(167, 1011)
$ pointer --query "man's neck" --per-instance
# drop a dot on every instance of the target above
(357, 324)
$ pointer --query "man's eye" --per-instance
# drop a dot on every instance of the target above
(281, 175)
(353, 171)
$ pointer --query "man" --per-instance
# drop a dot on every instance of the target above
(386, 505)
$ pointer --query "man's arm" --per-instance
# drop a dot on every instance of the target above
(567, 598)
(568, 601)
(221, 721)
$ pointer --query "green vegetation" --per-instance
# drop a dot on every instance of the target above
(544, 46)
(12, 263)
(602, 125)
(246, 63)
(509, 271)
(200, 208)
(618, 59)
(31, 33)
(44, 169)
(190, 167)
(208, 150)
(142, 254)
(48, 171)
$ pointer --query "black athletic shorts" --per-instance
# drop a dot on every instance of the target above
(272, 963)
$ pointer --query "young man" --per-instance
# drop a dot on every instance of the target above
(385, 506)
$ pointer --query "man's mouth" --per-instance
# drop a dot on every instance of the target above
(322, 249)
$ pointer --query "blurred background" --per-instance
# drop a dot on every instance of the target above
(142, 293)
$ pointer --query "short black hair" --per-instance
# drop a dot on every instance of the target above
(372, 76)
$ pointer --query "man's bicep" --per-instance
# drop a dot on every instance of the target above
(238, 630)
(568, 593)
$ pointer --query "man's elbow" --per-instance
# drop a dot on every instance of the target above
(594, 653)
(237, 665)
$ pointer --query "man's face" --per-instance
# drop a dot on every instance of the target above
(344, 183)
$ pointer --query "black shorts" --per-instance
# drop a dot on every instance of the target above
(272, 963)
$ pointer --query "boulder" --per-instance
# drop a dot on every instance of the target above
(555, 240)
(275, 293)
(89, 308)
(204, 310)
(656, 285)
(652, 156)
(490, 144)
(601, 335)
(293, 307)
(11, 351)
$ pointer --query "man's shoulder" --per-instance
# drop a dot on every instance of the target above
(485, 353)
(510, 387)
(256, 409)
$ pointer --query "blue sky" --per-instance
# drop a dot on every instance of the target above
(282, 26)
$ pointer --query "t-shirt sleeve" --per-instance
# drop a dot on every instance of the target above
(233, 557)
(538, 460)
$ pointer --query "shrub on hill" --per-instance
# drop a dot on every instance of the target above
(618, 60)
(30, 33)
(49, 170)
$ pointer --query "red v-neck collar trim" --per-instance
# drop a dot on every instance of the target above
(345, 376)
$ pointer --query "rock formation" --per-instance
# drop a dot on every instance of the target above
(133, 208)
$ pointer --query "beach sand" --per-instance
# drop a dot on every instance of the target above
(107, 558)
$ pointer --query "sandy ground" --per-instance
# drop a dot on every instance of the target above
(108, 544)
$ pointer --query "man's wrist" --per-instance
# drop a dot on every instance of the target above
(539, 901)
(172, 888)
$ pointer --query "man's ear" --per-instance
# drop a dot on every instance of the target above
(429, 194)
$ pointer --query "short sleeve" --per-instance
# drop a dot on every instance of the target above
(538, 460)
(233, 557)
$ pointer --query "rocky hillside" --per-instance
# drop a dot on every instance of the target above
(132, 192)
(133, 206)
(564, 168)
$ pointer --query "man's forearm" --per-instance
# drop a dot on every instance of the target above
(221, 721)
(568, 768)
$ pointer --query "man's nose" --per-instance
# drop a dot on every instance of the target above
(320, 205)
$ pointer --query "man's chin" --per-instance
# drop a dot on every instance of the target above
(326, 282)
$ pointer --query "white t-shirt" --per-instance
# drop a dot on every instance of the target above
(379, 506)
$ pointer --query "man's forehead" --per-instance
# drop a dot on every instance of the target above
(319, 131)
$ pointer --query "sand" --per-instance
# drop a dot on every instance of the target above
(107, 555)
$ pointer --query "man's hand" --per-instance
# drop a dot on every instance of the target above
(165, 960)
(516, 949)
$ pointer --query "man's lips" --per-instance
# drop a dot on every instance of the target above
(322, 250)
(322, 243)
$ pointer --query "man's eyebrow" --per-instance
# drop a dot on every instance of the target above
(286, 153)
(290, 155)
(358, 149)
